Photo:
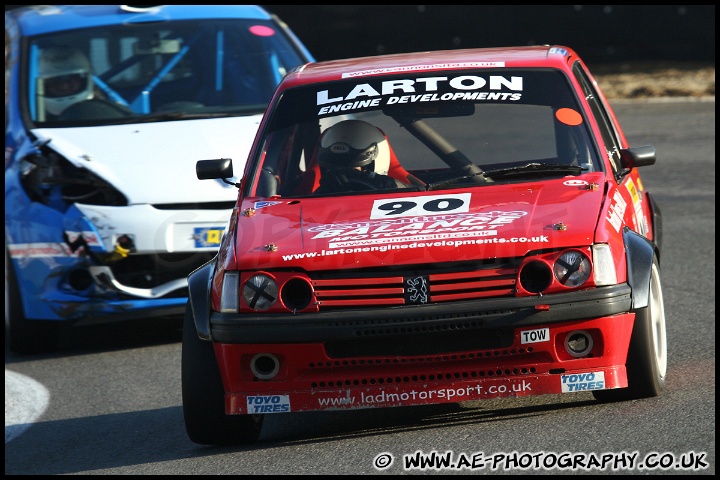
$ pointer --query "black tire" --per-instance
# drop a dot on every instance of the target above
(647, 357)
(203, 395)
(25, 336)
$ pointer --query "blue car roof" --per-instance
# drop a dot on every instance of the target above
(41, 19)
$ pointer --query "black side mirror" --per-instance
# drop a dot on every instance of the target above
(637, 157)
(210, 169)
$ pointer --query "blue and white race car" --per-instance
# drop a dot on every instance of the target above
(107, 110)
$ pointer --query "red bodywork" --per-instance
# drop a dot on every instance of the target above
(312, 381)
(304, 239)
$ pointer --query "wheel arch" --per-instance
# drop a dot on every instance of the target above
(639, 252)
(656, 224)
(199, 288)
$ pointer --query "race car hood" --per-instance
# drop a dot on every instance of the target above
(486, 222)
(153, 163)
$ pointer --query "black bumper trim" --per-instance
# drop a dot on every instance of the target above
(368, 322)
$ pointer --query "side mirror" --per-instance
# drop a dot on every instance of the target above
(210, 169)
(637, 156)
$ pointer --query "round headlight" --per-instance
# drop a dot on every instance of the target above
(260, 292)
(572, 268)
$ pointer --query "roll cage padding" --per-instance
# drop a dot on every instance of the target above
(639, 252)
(199, 291)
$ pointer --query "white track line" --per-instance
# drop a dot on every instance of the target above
(25, 401)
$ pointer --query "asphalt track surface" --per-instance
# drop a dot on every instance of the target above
(26, 400)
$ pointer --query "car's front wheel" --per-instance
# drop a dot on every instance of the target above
(647, 357)
(203, 395)
(25, 336)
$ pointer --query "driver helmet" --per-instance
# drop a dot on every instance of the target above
(66, 78)
(354, 143)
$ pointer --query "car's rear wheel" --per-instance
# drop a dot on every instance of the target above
(203, 395)
(25, 336)
(647, 357)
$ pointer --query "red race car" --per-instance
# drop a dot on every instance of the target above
(427, 228)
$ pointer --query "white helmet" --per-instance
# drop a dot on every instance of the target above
(354, 143)
(66, 78)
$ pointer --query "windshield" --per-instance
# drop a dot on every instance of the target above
(156, 71)
(426, 132)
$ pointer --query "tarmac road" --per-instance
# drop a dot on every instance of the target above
(110, 402)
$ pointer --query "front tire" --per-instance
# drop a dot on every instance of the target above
(203, 395)
(26, 336)
(647, 356)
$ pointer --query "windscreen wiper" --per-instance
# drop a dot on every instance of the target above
(450, 181)
(524, 170)
(169, 116)
(535, 168)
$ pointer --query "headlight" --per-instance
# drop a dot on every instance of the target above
(260, 292)
(229, 301)
(604, 265)
(48, 171)
(572, 268)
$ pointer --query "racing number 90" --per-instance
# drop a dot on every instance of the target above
(430, 205)
(439, 205)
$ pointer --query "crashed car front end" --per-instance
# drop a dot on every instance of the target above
(85, 261)
(107, 109)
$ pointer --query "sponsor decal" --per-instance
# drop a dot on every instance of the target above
(258, 205)
(207, 236)
(434, 66)
(40, 250)
(580, 382)
(633, 191)
(640, 220)
(421, 90)
(268, 404)
(535, 336)
(575, 182)
(385, 245)
(457, 394)
(417, 219)
(616, 212)
(417, 222)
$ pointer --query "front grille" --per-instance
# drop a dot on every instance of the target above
(398, 286)
(373, 371)
(443, 339)
(431, 375)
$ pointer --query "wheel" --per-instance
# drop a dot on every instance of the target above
(647, 357)
(26, 336)
(203, 395)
